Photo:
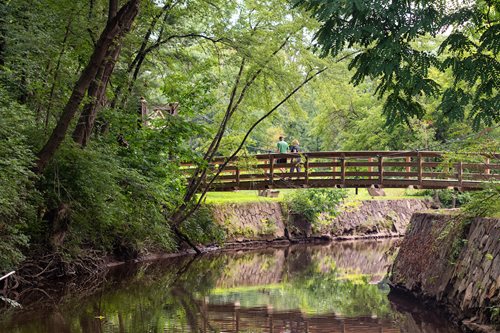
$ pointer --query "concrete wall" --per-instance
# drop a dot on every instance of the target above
(454, 262)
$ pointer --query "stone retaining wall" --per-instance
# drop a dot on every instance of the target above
(265, 221)
(250, 221)
(364, 219)
(454, 262)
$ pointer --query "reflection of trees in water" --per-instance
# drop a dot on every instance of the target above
(171, 295)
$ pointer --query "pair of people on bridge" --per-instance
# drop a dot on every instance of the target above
(283, 148)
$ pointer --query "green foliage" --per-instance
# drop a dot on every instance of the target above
(117, 197)
(110, 206)
(382, 33)
(202, 229)
(484, 203)
(17, 195)
(446, 197)
(495, 315)
(313, 202)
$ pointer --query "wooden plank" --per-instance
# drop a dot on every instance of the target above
(481, 166)
(361, 164)
(400, 174)
(482, 177)
(354, 154)
(324, 174)
(430, 184)
(323, 164)
(438, 175)
(361, 174)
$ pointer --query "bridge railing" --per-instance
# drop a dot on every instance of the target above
(424, 169)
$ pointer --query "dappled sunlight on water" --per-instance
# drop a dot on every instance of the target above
(338, 287)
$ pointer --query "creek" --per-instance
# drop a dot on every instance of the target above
(336, 287)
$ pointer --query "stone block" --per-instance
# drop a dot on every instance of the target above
(376, 192)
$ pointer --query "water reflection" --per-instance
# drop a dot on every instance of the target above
(330, 288)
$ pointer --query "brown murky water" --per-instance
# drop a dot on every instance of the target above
(338, 287)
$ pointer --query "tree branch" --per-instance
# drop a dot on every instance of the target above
(242, 143)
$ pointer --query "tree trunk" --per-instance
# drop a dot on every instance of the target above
(97, 89)
(114, 28)
(96, 93)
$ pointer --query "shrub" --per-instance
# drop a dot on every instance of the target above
(17, 195)
(201, 228)
(111, 207)
(446, 197)
(313, 202)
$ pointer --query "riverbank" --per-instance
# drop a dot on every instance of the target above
(257, 225)
(270, 221)
(453, 262)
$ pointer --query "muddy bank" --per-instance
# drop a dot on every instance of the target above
(455, 263)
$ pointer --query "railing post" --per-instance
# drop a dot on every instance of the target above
(419, 168)
(408, 168)
(237, 176)
(460, 171)
(380, 170)
(342, 169)
(271, 168)
(334, 169)
(307, 170)
(487, 169)
(370, 168)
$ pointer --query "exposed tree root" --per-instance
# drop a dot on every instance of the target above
(41, 277)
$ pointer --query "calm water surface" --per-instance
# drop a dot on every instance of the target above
(338, 287)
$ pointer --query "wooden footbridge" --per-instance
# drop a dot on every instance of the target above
(356, 169)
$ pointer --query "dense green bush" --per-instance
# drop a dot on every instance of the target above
(111, 207)
(446, 197)
(202, 229)
(17, 194)
(313, 202)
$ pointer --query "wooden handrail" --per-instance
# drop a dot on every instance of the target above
(355, 169)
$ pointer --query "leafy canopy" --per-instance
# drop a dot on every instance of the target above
(383, 35)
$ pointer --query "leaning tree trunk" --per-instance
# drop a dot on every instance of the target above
(118, 26)
(97, 88)
(96, 92)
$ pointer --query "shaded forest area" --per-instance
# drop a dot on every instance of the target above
(81, 170)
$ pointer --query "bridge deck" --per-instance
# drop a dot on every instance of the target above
(390, 169)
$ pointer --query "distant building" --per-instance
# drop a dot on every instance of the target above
(157, 112)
